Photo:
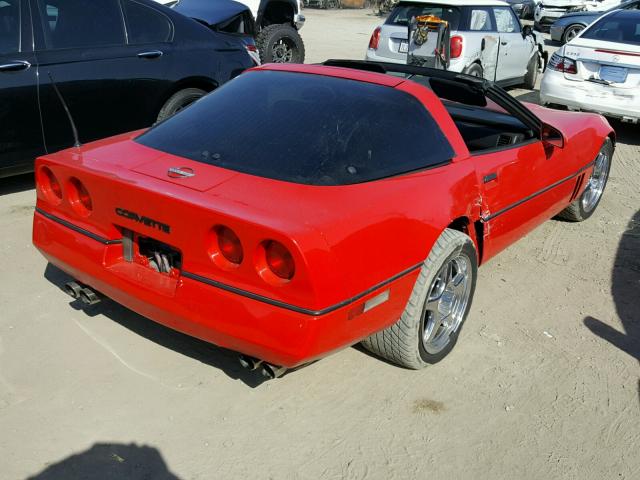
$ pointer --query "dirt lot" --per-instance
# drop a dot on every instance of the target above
(544, 382)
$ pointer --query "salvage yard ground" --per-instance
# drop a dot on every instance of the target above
(543, 384)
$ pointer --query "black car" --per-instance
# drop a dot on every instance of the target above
(119, 65)
(523, 8)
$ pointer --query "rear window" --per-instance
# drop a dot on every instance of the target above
(308, 129)
(404, 12)
(621, 27)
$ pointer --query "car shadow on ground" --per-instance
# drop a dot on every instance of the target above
(19, 183)
(531, 96)
(110, 461)
(625, 288)
(205, 352)
(627, 133)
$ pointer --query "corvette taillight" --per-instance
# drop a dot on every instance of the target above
(275, 263)
(229, 245)
(49, 185)
(455, 46)
(79, 197)
(375, 39)
(562, 64)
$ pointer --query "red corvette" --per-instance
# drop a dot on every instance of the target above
(300, 209)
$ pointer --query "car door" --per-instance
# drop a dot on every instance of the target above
(80, 47)
(20, 133)
(481, 32)
(522, 184)
(514, 49)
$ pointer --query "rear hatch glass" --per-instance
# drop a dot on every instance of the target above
(303, 128)
(405, 11)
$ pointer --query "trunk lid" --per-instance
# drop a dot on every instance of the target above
(609, 64)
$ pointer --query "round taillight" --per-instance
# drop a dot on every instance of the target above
(49, 185)
(455, 46)
(229, 245)
(79, 197)
(279, 260)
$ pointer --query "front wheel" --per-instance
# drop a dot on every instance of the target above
(280, 44)
(439, 304)
(474, 70)
(571, 32)
(584, 206)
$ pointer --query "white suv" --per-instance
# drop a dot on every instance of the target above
(487, 39)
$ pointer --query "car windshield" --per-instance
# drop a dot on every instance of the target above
(404, 12)
(304, 128)
(619, 27)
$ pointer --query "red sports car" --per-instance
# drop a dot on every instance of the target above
(300, 209)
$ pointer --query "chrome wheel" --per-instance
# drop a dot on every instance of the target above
(446, 303)
(572, 32)
(282, 52)
(597, 182)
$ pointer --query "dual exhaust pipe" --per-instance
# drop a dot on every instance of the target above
(268, 370)
(81, 292)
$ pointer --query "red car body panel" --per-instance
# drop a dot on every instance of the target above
(349, 243)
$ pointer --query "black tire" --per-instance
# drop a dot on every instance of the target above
(475, 70)
(576, 211)
(532, 73)
(178, 101)
(280, 44)
(570, 32)
(402, 343)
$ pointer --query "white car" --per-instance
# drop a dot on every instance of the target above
(548, 11)
(487, 39)
(599, 70)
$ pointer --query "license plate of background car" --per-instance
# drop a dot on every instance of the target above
(404, 47)
(613, 74)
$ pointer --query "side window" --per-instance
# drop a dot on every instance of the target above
(78, 23)
(506, 21)
(480, 20)
(145, 25)
(9, 26)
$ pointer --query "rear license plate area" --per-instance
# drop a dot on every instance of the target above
(403, 47)
(152, 253)
(613, 74)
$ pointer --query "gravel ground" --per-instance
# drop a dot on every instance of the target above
(544, 382)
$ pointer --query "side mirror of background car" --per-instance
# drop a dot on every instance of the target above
(552, 136)
(526, 31)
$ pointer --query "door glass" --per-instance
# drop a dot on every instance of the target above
(78, 23)
(145, 25)
(506, 21)
(9, 26)
(480, 20)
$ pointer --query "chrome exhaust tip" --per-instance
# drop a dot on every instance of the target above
(88, 296)
(250, 363)
(272, 371)
(72, 289)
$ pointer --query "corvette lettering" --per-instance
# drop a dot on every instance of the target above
(149, 222)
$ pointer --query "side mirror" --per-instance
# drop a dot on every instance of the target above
(552, 136)
(526, 31)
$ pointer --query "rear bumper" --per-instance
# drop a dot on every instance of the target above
(589, 97)
(227, 319)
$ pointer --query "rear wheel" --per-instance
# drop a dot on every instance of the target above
(571, 32)
(280, 44)
(429, 327)
(179, 101)
(584, 206)
(474, 70)
(532, 73)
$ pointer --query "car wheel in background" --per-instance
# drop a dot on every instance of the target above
(474, 70)
(280, 44)
(180, 100)
(571, 32)
(532, 73)
(584, 206)
(439, 304)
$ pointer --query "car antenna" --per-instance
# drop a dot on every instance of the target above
(76, 140)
